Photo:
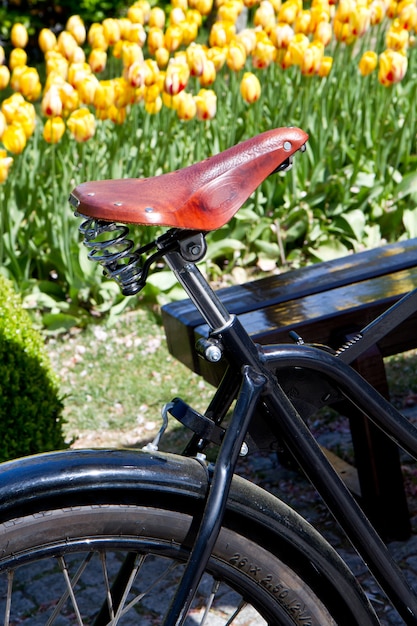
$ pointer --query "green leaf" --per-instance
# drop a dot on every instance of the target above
(407, 186)
(332, 249)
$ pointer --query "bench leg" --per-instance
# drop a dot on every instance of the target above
(378, 461)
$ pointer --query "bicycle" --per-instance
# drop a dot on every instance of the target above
(176, 525)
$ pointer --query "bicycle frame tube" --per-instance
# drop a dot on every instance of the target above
(314, 463)
(240, 351)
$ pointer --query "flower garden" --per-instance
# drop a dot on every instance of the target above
(157, 88)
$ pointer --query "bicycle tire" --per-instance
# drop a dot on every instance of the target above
(269, 558)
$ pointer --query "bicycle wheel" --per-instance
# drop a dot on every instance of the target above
(61, 565)
(79, 557)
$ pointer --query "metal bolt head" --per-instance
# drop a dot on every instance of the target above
(213, 354)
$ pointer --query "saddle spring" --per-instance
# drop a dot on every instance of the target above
(109, 245)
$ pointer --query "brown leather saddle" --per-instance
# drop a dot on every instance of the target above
(203, 196)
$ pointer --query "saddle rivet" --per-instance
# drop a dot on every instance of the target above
(149, 209)
(118, 203)
(287, 145)
(91, 194)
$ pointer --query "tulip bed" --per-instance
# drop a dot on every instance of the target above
(157, 89)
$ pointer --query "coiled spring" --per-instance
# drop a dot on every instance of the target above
(109, 245)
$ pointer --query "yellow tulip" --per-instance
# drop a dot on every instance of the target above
(250, 88)
(302, 22)
(54, 129)
(248, 38)
(69, 96)
(81, 125)
(206, 102)
(183, 4)
(19, 35)
(136, 15)
(2, 55)
(97, 60)
(17, 58)
(281, 35)
(137, 34)
(360, 21)
(104, 94)
(46, 40)
(196, 59)
(208, 76)
(124, 93)
(66, 44)
(14, 138)
(5, 164)
(30, 84)
(136, 73)
(162, 57)
(152, 93)
(156, 39)
(236, 56)
(392, 67)
(173, 37)
(25, 116)
(221, 34)
(204, 7)
(77, 72)
(397, 38)
(189, 30)
(57, 64)
(152, 72)
(52, 103)
(131, 53)
(312, 59)
(288, 11)
(407, 16)
(96, 38)
(4, 76)
(186, 106)
(75, 26)
(3, 124)
(111, 31)
(11, 105)
(323, 33)
(263, 55)
(116, 114)
(297, 48)
(153, 106)
(176, 78)
(378, 11)
(325, 66)
(345, 9)
(368, 62)
(157, 18)
(87, 88)
(218, 56)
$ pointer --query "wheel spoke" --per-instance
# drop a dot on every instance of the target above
(66, 594)
(10, 578)
(214, 590)
(70, 589)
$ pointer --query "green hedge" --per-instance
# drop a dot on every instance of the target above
(30, 407)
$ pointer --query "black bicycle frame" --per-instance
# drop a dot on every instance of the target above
(260, 379)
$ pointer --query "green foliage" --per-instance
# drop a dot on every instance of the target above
(354, 187)
(30, 408)
(36, 14)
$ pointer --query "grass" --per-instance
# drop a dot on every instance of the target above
(115, 380)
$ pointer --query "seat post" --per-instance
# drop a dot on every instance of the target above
(199, 291)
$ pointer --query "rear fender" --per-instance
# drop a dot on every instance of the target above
(76, 477)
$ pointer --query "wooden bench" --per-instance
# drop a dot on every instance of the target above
(325, 303)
